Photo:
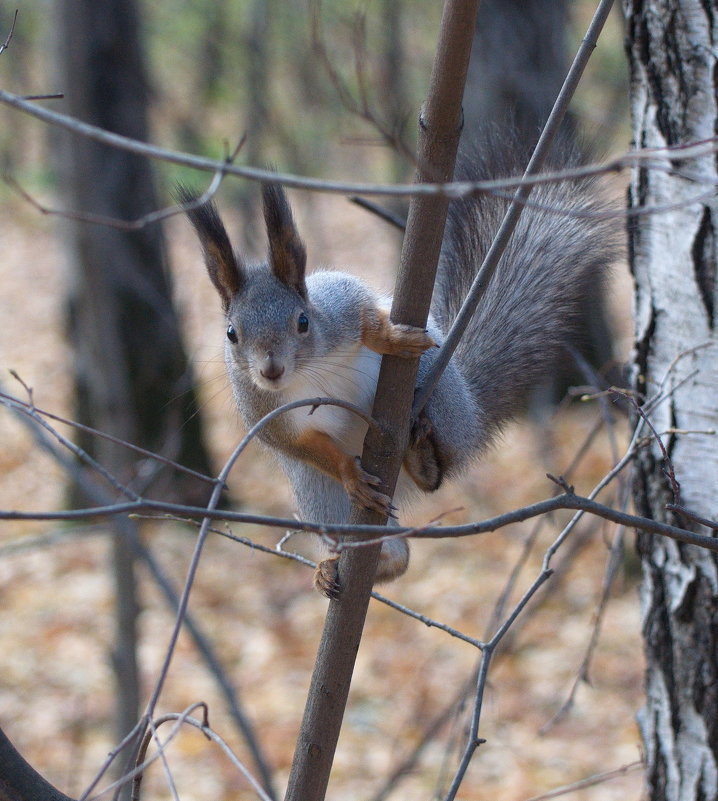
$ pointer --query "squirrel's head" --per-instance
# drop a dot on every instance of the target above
(269, 319)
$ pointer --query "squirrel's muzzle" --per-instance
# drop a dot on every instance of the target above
(271, 368)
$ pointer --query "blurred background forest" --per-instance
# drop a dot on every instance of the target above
(292, 79)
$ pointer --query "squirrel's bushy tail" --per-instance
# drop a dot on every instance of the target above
(557, 258)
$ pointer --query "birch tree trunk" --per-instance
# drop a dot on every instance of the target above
(672, 50)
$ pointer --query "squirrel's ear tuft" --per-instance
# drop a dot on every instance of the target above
(287, 255)
(224, 268)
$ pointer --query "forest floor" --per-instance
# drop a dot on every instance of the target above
(264, 619)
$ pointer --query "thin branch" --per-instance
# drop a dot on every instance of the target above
(380, 211)
(45, 96)
(650, 157)
(473, 740)
(11, 402)
(139, 222)
(337, 546)
(363, 108)
(429, 622)
(661, 392)
(704, 521)
(6, 43)
(565, 501)
(669, 470)
(590, 781)
(210, 734)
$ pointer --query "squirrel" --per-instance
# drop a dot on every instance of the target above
(292, 336)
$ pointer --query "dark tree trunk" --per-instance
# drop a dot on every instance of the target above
(21, 782)
(257, 78)
(518, 63)
(672, 48)
(132, 376)
(131, 373)
(393, 83)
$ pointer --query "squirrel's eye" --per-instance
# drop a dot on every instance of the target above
(232, 334)
(302, 323)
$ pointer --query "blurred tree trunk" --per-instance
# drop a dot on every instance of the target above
(257, 114)
(131, 374)
(518, 63)
(395, 103)
(672, 48)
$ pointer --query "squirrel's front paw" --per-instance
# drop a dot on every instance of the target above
(393, 339)
(326, 578)
(408, 341)
(360, 488)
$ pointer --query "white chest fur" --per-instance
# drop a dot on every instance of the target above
(349, 375)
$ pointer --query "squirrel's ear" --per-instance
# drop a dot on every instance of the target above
(224, 268)
(287, 256)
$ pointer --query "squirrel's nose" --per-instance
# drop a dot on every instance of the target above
(271, 369)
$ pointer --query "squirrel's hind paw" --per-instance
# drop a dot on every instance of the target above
(326, 578)
(393, 562)
(422, 460)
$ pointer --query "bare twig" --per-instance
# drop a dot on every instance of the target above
(45, 96)
(203, 726)
(363, 107)
(380, 211)
(673, 507)
(6, 43)
(139, 222)
(554, 504)
(669, 470)
(590, 781)
(653, 158)
(23, 407)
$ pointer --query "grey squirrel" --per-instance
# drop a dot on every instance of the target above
(293, 336)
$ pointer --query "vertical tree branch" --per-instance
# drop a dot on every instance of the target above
(440, 128)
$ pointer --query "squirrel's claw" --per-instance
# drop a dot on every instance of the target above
(360, 488)
(326, 578)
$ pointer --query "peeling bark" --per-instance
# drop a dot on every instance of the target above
(672, 51)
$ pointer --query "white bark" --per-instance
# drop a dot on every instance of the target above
(673, 58)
